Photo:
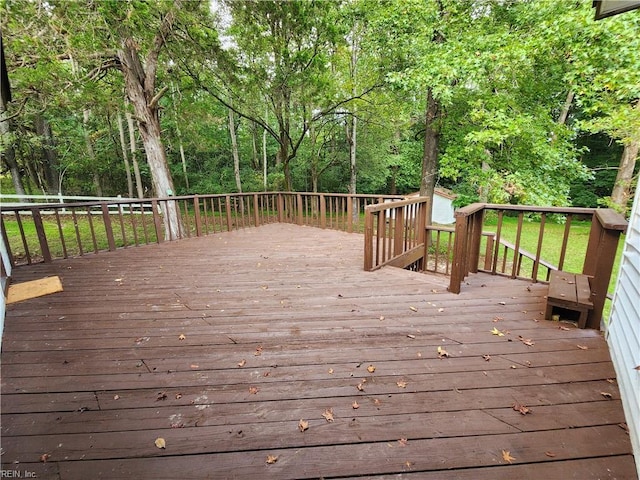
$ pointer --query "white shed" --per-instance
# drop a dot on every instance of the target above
(623, 331)
(442, 210)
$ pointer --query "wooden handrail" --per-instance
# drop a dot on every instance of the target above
(606, 227)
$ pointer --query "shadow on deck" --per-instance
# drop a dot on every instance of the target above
(220, 345)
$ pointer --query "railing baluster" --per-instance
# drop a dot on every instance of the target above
(106, 219)
(61, 234)
(536, 262)
(565, 240)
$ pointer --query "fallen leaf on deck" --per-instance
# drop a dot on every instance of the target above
(160, 443)
(194, 366)
(44, 457)
(331, 371)
(606, 395)
(303, 425)
(264, 287)
(355, 405)
(506, 456)
(401, 384)
(253, 390)
(624, 427)
(377, 402)
(381, 317)
(502, 303)
(441, 310)
(242, 363)
(411, 336)
(562, 327)
(523, 409)
(360, 387)
(550, 454)
(442, 353)
(497, 319)
(116, 397)
(181, 337)
(371, 368)
(497, 332)
(258, 351)
(402, 442)
(486, 357)
(582, 347)
(419, 355)
(433, 290)
(328, 415)
(611, 380)
(161, 396)
(178, 396)
(413, 309)
(513, 366)
(527, 341)
(271, 459)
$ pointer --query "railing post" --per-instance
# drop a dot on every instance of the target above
(157, 221)
(300, 208)
(196, 212)
(227, 207)
(488, 256)
(606, 227)
(280, 208)
(398, 231)
(323, 212)
(475, 239)
(256, 213)
(459, 252)
(42, 236)
(106, 220)
(350, 213)
(368, 240)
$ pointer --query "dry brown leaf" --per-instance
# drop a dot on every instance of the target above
(550, 454)
(582, 347)
(527, 341)
(258, 351)
(624, 427)
(303, 425)
(116, 397)
(441, 310)
(562, 327)
(413, 309)
(606, 395)
(486, 357)
(497, 319)
(523, 409)
(264, 287)
(402, 442)
(328, 415)
(161, 396)
(442, 353)
(411, 336)
(377, 402)
(178, 396)
(44, 457)
(497, 332)
(360, 387)
(355, 405)
(194, 366)
(506, 456)
(611, 381)
(381, 317)
(242, 363)
(181, 336)
(371, 368)
(160, 442)
(331, 371)
(253, 390)
(401, 383)
(271, 459)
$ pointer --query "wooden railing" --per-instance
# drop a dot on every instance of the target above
(507, 257)
(43, 232)
(394, 234)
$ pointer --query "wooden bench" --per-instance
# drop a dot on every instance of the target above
(569, 291)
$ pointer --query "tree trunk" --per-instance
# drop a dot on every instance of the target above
(140, 88)
(9, 151)
(125, 156)
(234, 151)
(264, 159)
(179, 135)
(134, 155)
(622, 187)
(86, 114)
(49, 156)
(430, 153)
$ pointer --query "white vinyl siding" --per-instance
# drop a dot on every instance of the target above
(623, 333)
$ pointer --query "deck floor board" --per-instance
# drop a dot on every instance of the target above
(222, 344)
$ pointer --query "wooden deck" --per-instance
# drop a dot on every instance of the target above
(221, 345)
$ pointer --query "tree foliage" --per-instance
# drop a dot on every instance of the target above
(517, 92)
